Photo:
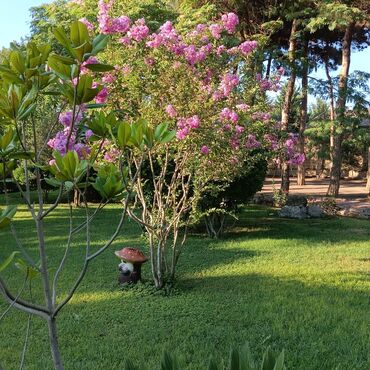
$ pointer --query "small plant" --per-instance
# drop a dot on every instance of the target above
(240, 359)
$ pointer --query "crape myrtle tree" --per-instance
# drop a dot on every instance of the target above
(198, 82)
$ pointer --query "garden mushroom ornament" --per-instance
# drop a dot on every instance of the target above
(130, 266)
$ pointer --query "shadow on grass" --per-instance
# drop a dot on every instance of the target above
(319, 326)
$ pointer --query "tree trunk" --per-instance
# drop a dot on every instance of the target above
(368, 172)
(301, 175)
(54, 345)
(285, 113)
(337, 135)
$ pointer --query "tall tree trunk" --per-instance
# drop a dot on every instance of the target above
(368, 172)
(301, 175)
(285, 113)
(336, 147)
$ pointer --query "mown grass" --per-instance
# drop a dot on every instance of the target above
(299, 285)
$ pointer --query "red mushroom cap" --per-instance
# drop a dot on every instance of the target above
(132, 255)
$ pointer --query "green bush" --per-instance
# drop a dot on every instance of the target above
(222, 198)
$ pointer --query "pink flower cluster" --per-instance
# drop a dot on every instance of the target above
(272, 84)
(185, 125)
(171, 111)
(272, 141)
(292, 157)
(65, 140)
(139, 31)
(110, 25)
(261, 116)
(228, 115)
(228, 82)
(230, 21)
(247, 47)
(242, 107)
(252, 142)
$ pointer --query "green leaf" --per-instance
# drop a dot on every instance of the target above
(17, 61)
(7, 138)
(279, 365)
(63, 70)
(99, 43)
(234, 359)
(123, 134)
(6, 215)
(8, 261)
(169, 136)
(99, 67)
(53, 182)
(79, 33)
(61, 36)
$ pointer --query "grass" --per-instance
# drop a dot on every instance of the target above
(299, 285)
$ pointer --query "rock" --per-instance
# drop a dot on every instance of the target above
(296, 200)
(315, 211)
(264, 199)
(298, 212)
(364, 213)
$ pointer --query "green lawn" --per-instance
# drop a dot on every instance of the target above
(299, 285)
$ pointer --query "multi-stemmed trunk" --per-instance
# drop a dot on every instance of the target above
(287, 105)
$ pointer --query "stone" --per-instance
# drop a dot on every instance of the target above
(315, 211)
(296, 200)
(298, 212)
(264, 199)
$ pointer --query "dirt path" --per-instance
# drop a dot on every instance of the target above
(352, 192)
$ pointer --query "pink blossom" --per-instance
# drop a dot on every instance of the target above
(149, 61)
(251, 142)
(139, 31)
(234, 143)
(228, 115)
(89, 25)
(233, 51)
(102, 96)
(66, 118)
(111, 155)
(215, 30)
(204, 150)
(182, 133)
(242, 107)
(247, 47)
(261, 116)
(228, 82)
(108, 25)
(272, 141)
(90, 60)
(88, 134)
(230, 21)
(108, 78)
(125, 40)
(171, 111)
(220, 49)
(193, 122)
(155, 41)
(239, 129)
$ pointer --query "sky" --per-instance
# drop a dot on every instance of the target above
(14, 24)
(14, 19)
